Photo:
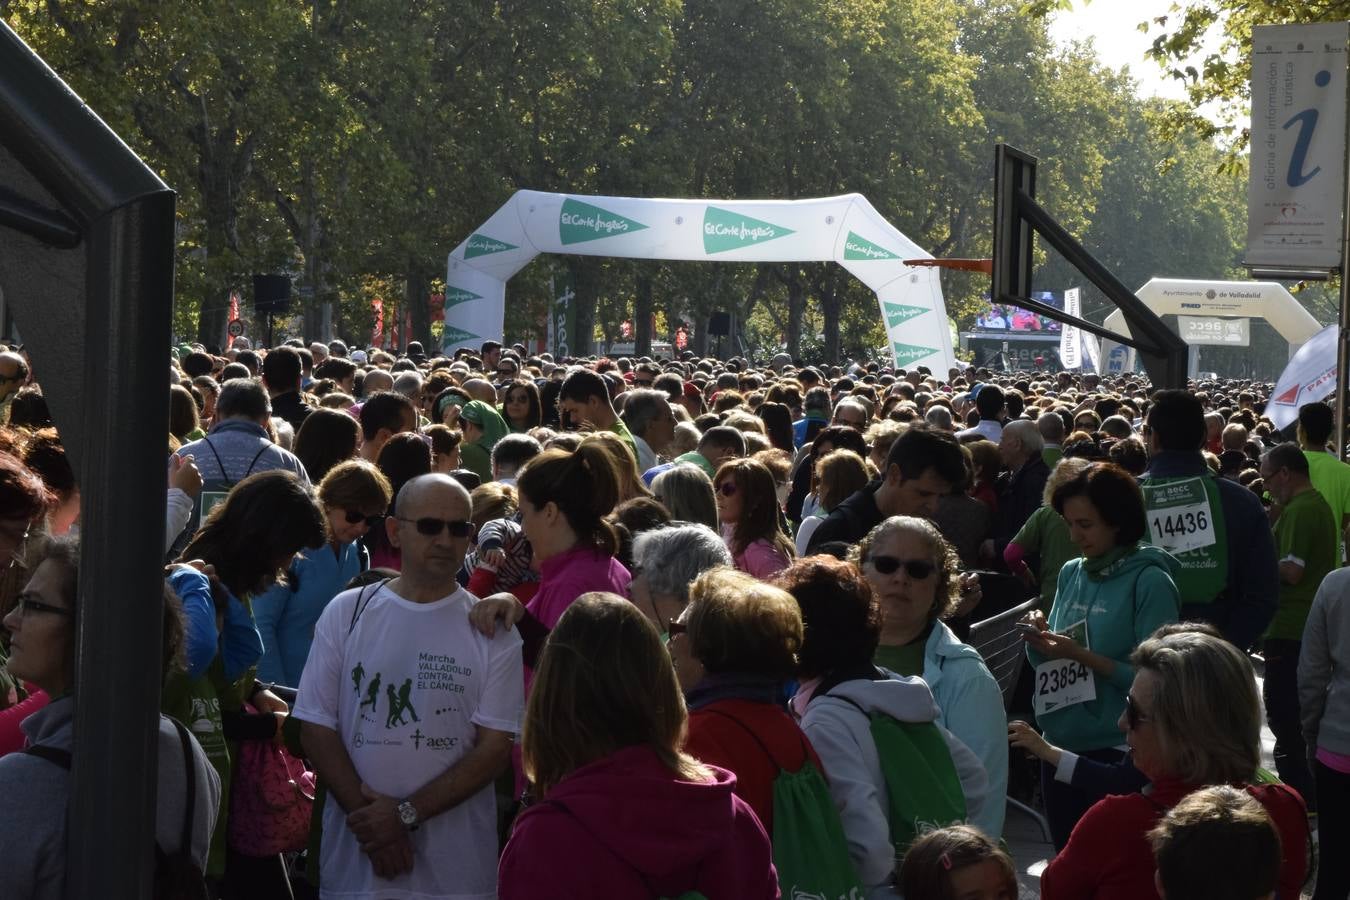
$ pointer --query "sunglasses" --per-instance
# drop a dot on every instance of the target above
(727, 489)
(918, 569)
(1133, 717)
(509, 373)
(675, 626)
(27, 604)
(431, 527)
(353, 516)
(4, 378)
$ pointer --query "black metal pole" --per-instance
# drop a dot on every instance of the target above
(112, 803)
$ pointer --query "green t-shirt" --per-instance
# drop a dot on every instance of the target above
(1331, 477)
(1306, 531)
(906, 659)
(1047, 535)
(622, 431)
(1052, 455)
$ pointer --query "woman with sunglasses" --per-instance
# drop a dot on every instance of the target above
(1107, 602)
(354, 496)
(1192, 719)
(403, 457)
(520, 405)
(914, 572)
(747, 506)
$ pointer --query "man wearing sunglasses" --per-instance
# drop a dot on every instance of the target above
(409, 715)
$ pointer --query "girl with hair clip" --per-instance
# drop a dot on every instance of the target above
(958, 863)
(679, 828)
(564, 498)
(747, 505)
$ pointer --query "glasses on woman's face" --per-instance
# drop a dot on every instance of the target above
(918, 569)
(28, 603)
(517, 398)
(1133, 717)
(727, 489)
(354, 516)
(676, 627)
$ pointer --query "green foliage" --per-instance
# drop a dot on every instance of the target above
(353, 143)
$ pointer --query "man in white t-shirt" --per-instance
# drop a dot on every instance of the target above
(409, 714)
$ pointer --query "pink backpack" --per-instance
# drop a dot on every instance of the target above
(271, 800)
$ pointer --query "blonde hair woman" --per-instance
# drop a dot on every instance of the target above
(679, 828)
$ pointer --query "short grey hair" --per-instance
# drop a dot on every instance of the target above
(672, 557)
(408, 384)
(1051, 426)
(1026, 431)
(939, 416)
(642, 407)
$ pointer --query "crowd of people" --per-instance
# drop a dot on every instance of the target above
(498, 625)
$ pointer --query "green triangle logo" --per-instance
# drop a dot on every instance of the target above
(482, 245)
(455, 296)
(908, 353)
(451, 336)
(861, 248)
(897, 314)
(725, 230)
(580, 222)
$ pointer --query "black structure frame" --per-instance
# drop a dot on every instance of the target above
(1017, 218)
(86, 267)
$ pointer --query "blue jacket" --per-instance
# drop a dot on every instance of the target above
(802, 430)
(1122, 606)
(1246, 606)
(237, 642)
(286, 613)
(970, 706)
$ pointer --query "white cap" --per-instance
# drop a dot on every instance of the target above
(359, 357)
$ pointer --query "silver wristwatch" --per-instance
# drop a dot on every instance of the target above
(407, 814)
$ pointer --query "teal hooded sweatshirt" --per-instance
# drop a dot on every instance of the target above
(1123, 604)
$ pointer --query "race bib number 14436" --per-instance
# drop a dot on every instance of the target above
(1179, 515)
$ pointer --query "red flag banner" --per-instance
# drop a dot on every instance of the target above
(377, 333)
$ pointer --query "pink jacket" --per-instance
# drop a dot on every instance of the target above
(626, 827)
(565, 577)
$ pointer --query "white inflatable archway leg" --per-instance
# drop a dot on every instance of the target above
(845, 229)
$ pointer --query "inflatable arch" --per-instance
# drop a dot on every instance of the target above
(844, 229)
(1250, 299)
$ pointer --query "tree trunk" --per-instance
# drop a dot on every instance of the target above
(642, 316)
(415, 301)
(796, 289)
(585, 281)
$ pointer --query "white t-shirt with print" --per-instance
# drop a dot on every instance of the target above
(405, 690)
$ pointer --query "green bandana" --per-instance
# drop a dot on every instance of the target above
(1096, 565)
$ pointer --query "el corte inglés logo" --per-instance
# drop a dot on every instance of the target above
(861, 248)
(452, 335)
(482, 245)
(455, 296)
(580, 222)
(725, 230)
(908, 353)
(897, 313)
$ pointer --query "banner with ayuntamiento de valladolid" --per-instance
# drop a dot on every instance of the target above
(845, 229)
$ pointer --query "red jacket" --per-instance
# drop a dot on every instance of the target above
(716, 739)
(1108, 856)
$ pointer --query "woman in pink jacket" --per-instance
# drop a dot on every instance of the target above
(618, 810)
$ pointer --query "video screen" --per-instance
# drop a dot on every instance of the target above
(1002, 317)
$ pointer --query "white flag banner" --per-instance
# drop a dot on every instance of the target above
(1068, 338)
(1310, 376)
(1092, 352)
(1296, 185)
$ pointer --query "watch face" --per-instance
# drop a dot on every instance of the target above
(407, 813)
